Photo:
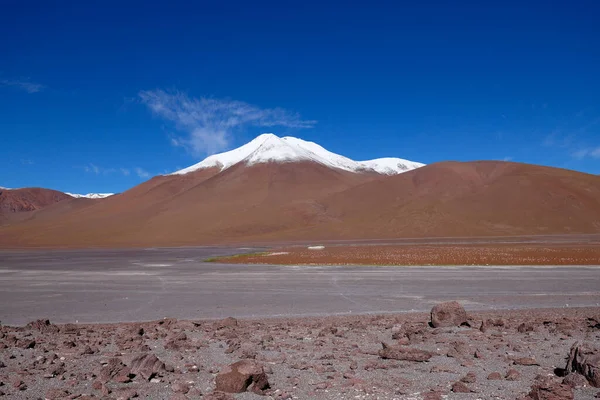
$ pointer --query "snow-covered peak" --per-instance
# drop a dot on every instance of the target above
(271, 148)
(90, 195)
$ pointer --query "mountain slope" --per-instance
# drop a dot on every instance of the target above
(199, 207)
(18, 201)
(469, 199)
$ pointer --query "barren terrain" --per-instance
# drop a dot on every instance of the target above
(440, 254)
(499, 355)
(308, 201)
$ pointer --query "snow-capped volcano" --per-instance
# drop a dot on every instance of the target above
(91, 195)
(271, 148)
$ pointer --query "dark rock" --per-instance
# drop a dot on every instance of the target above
(527, 361)
(43, 325)
(547, 389)
(70, 329)
(432, 395)
(147, 366)
(494, 376)
(57, 394)
(526, 327)
(26, 344)
(459, 387)
(126, 394)
(180, 387)
(448, 314)
(575, 380)
(404, 353)
(512, 375)
(124, 375)
(241, 376)
(584, 358)
(110, 370)
(471, 377)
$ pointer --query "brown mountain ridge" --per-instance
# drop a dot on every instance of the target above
(310, 201)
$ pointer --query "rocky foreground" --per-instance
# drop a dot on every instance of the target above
(525, 354)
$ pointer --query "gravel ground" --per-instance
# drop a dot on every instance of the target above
(304, 358)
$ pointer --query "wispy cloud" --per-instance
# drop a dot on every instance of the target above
(593, 152)
(92, 168)
(208, 124)
(26, 161)
(507, 158)
(23, 84)
(142, 173)
(97, 170)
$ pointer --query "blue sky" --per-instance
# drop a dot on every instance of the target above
(97, 99)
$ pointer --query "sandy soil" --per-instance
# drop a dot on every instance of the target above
(484, 254)
(499, 356)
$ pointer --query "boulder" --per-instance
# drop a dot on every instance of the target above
(43, 325)
(584, 359)
(448, 314)
(147, 366)
(242, 376)
(548, 389)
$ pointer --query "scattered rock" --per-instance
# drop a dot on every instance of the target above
(147, 366)
(57, 394)
(43, 326)
(109, 371)
(527, 361)
(547, 389)
(448, 314)
(242, 376)
(526, 327)
(575, 380)
(460, 387)
(494, 376)
(512, 375)
(404, 353)
(584, 358)
(180, 387)
(471, 377)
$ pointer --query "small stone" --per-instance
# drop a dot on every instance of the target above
(471, 377)
(512, 375)
(494, 376)
(460, 387)
(527, 361)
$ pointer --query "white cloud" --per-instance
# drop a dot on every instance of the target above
(23, 84)
(94, 169)
(208, 124)
(142, 173)
(593, 152)
(507, 158)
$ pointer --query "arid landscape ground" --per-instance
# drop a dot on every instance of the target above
(494, 355)
(517, 245)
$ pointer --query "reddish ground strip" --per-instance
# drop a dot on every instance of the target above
(496, 254)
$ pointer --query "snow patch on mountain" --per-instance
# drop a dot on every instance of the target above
(271, 148)
(91, 195)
